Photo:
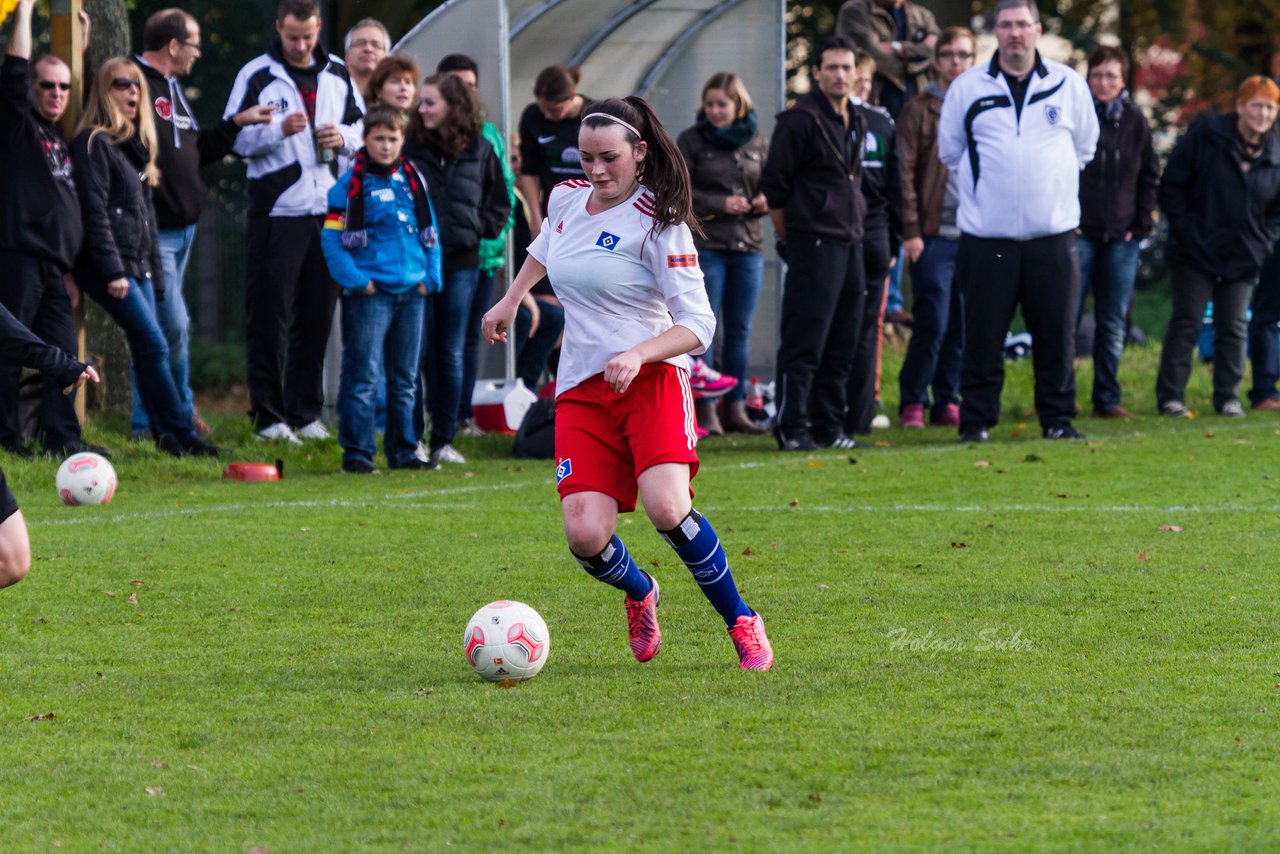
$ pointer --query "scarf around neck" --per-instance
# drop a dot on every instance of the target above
(733, 135)
(354, 234)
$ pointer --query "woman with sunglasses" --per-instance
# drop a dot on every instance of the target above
(114, 156)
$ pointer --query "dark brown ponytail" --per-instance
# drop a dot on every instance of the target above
(663, 171)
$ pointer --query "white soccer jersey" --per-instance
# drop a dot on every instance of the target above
(620, 284)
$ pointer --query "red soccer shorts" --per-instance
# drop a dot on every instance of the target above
(605, 439)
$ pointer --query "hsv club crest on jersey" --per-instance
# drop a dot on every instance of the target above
(564, 469)
(607, 240)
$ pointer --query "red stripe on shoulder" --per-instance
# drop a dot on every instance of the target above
(576, 183)
(646, 211)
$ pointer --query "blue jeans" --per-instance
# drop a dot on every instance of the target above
(371, 326)
(471, 349)
(149, 357)
(733, 288)
(894, 302)
(533, 353)
(443, 338)
(1108, 269)
(1264, 333)
(171, 312)
(936, 348)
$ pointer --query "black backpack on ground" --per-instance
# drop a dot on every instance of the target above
(536, 438)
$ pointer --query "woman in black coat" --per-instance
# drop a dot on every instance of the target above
(114, 158)
(469, 193)
(1221, 195)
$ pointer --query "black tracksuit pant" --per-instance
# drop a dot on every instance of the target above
(289, 301)
(33, 291)
(864, 376)
(821, 313)
(996, 276)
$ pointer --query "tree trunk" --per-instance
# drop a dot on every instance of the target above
(105, 343)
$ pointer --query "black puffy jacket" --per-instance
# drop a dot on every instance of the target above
(469, 194)
(1118, 187)
(1223, 221)
(120, 237)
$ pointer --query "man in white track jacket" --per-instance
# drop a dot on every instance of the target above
(292, 163)
(1017, 132)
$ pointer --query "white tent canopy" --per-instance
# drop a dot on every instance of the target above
(662, 50)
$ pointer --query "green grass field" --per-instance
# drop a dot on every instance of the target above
(1019, 645)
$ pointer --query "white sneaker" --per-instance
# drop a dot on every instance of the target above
(469, 428)
(315, 431)
(448, 454)
(421, 452)
(279, 432)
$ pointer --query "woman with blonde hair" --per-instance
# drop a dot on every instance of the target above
(725, 153)
(114, 157)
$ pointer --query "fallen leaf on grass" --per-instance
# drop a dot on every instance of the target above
(155, 791)
(816, 797)
(1177, 529)
(137, 583)
(956, 544)
(156, 763)
(883, 444)
(982, 464)
(422, 692)
(747, 550)
(259, 849)
(1142, 555)
(795, 502)
(47, 716)
(469, 474)
(108, 593)
(133, 598)
(814, 464)
(507, 683)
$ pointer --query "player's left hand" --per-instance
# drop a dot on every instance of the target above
(621, 370)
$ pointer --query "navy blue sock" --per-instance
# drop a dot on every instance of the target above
(698, 546)
(615, 567)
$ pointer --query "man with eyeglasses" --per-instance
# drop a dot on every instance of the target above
(1117, 199)
(931, 240)
(170, 48)
(1017, 131)
(40, 230)
(364, 47)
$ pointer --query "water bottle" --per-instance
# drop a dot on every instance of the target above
(755, 394)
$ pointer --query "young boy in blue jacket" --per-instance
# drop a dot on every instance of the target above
(381, 245)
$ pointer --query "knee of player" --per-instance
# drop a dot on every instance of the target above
(14, 565)
(667, 512)
(586, 535)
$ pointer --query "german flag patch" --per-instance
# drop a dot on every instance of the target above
(674, 261)
(336, 221)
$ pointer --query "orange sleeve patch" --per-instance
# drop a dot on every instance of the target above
(674, 261)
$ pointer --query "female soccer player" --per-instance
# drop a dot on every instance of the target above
(620, 255)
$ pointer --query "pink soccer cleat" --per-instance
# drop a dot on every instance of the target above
(754, 650)
(708, 383)
(642, 624)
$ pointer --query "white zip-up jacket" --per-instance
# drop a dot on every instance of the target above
(285, 176)
(1019, 173)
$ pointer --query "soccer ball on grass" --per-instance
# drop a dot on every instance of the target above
(506, 642)
(86, 479)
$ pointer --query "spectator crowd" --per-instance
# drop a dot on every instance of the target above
(383, 191)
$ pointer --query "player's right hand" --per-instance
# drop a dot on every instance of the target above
(118, 288)
(89, 374)
(496, 322)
